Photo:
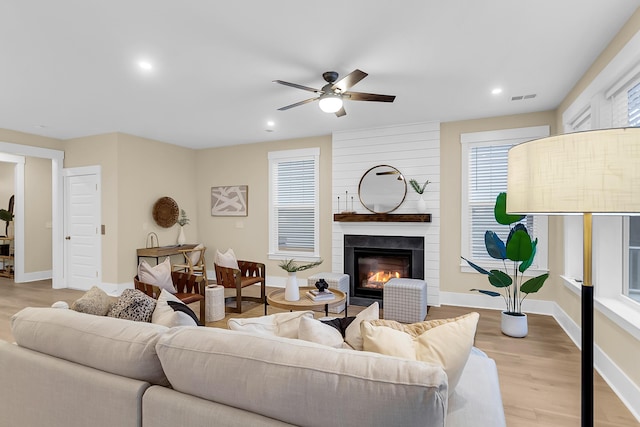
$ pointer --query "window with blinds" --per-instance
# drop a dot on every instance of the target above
(487, 179)
(293, 203)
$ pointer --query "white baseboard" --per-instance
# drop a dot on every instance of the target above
(37, 275)
(493, 303)
(622, 386)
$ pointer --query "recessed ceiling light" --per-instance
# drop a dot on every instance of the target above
(145, 65)
(271, 123)
(496, 91)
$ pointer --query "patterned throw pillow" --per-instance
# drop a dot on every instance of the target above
(95, 301)
(133, 305)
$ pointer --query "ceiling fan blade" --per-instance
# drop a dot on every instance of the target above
(360, 96)
(349, 80)
(297, 86)
(341, 112)
(306, 101)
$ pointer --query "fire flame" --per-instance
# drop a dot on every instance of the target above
(378, 279)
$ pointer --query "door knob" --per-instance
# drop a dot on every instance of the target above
(68, 238)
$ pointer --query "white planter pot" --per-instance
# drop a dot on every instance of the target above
(421, 205)
(291, 291)
(513, 325)
(181, 238)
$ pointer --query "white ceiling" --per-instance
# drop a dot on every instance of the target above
(68, 68)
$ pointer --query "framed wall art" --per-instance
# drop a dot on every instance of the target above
(230, 200)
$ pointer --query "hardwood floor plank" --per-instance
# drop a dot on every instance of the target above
(539, 374)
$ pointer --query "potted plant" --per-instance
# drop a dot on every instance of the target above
(291, 292)
(7, 216)
(182, 221)
(520, 250)
(421, 204)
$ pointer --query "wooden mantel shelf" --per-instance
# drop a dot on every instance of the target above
(355, 217)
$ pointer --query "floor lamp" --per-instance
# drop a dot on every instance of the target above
(594, 172)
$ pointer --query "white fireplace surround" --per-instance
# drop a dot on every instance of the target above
(413, 149)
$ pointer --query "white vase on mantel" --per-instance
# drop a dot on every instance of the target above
(291, 291)
(421, 205)
(181, 238)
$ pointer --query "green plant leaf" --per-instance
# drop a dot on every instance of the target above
(499, 279)
(534, 284)
(500, 211)
(519, 246)
(526, 264)
(476, 267)
(495, 247)
(490, 293)
(5, 215)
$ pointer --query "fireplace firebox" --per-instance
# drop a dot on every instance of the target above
(371, 261)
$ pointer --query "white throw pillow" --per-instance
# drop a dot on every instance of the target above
(279, 324)
(165, 315)
(447, 344)
(195, 255)
(320, 333)
(227, 259)
(158, 275)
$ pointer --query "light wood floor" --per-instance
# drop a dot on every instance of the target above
(539, 374)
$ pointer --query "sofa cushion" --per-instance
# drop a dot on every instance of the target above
(166, 315)
(133, 305)
(157, 275)
(118, 346)
(279, 324)
(94, 301)
(447, 344)
(282, 378)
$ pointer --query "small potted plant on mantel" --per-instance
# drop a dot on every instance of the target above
(292, 292)
(521, 250)
(421, 204)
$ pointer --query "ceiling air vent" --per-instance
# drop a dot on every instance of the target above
(522, 97)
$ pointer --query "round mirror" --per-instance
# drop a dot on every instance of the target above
(382, 189)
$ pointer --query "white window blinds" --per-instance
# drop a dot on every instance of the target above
(293, 200)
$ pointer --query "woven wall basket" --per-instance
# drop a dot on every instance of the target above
(165, 212)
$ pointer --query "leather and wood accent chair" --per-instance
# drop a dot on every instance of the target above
(194, 262)
(189, 287)
(250, 273)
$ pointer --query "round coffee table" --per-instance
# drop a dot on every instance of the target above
(276, 299)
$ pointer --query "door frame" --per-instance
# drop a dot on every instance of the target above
(79, 171)
(57, 246)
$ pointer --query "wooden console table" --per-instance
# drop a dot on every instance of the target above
(162, 251)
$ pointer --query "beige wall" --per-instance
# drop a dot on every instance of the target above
(620, 346)
(135, 173)
(38, 214)
(451, 278)
(248, 164)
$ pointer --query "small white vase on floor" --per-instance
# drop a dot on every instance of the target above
(421, 205)
(291, 291)
(181, 238)
(514, 325)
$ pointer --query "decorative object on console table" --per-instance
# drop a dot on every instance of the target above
(601, 166)
(165, 212)
(182, 221)
(421, 204)
(230, 200)
(521, 250)
(292, 292)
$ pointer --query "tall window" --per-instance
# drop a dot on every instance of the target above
(632, 285)
(484, 171)
(293, 203)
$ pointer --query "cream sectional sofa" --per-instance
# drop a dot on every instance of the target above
(72, 369)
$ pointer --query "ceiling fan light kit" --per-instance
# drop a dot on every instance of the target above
(331, 95)
(330, 103)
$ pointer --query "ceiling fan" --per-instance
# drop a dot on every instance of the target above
(335, 91)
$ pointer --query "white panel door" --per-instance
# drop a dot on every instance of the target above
(82, 231)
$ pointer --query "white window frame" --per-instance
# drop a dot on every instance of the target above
(609, 231)
(276, 157)
(493, 138)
